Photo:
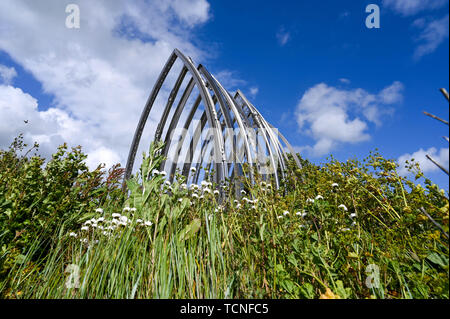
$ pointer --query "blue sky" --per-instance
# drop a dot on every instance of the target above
(313, 69)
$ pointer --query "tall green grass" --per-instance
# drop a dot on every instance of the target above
(321, 235)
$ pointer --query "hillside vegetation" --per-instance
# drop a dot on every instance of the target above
(340, 230)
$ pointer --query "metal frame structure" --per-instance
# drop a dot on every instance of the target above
(223, 115)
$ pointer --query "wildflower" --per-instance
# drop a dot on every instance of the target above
(99, 210)
(180, 200)
(126, 209)
(101, 227)
(263, 184)
(162, 173)
(344, 208)
(204, 183)
(183, 186)
(335, 185)
(304, 214)
(235, 201)
(216, 192)
(147, 223)
(207, 190)
(253, 207)
(94, 225)
(352, 215)
(302, 226)
(73, 235)
(238, 206)
(310, 200)
(193, 169)
(155, 172)
(139, 221)
(279, 217)
(124, 219)
(88, 222)
(101, 219)
(85, 228)
(115, 215)
(133, 209)
(353, 224)
(106, 233)
(319, 197)
(285, 213)
(194, 186)
(115, 221)
(167, 183)
(243, 192)
(298, 213)
(194, 195)
(84, 240)
(345, 229)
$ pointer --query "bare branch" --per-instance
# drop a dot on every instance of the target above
(437, 164)
(435, 117)
(445, 93)
(433, 221)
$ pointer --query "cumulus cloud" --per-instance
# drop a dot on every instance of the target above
(7, 74)
(441, 156)
(333, 116)
(432, 35)
(411, 7)
(99, 75)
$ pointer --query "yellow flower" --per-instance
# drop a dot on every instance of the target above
(329, 295)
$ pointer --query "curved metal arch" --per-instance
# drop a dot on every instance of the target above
(211, 93)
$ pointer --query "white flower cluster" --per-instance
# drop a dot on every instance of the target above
(107, 227)
(249, 201)
(302, 214)
(160, 173)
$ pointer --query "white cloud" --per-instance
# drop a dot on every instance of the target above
(411, 7)
(192, 12)
(432, 35)
(49, 128)
(100, 75)
(332, 116)
(344, 81)
(7, 74)
(254, 91)
(229, 79)
(441, 156)
(283, 36)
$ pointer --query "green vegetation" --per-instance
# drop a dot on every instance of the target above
(329, 232)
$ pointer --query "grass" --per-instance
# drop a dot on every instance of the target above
(342, 230)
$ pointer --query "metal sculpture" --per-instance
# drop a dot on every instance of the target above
(240, 134)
